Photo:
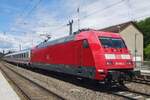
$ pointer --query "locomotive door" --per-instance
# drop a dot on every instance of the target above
(79, 57)
(79, 51)
(82, 47)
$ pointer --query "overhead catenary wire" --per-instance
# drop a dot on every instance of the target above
(28, 14)
(33, 8)
(100, 10)
(30, 11)
(110, 6)
(82, 17)
(19, 15)
(130, 14)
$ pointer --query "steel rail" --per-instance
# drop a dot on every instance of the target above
(14, 83)
(47, 90)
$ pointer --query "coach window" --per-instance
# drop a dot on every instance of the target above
(24, 55)
(27, 55)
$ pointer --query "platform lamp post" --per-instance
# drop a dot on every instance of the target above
(135, 51)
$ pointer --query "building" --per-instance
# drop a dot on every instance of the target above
(133, 38)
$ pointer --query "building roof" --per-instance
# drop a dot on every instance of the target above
(118, 28)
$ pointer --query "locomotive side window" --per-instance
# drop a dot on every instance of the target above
(85, 44)
(118, 43)
(108, 42)
(105, 41)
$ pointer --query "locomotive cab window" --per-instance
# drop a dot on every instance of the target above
(85, 44)
(108, 42)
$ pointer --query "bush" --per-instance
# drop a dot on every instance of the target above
(147, 52)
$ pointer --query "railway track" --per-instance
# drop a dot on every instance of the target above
(118, 91)
(35, 91)
(25, 96)
(136, 95)
(141, 81)
(131, 95)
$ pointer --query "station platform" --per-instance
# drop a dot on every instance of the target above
(145, 72)
(6, 91)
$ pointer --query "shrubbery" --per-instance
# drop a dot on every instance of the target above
(144, 26)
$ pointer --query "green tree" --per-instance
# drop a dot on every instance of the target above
(147, 52)
(144, 26)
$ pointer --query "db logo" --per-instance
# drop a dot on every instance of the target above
(118, 57)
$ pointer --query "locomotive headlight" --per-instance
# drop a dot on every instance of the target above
(101, 71)
(110, 56)
(125, 56)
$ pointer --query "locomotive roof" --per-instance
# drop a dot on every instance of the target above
(72, 37)
(60, 40)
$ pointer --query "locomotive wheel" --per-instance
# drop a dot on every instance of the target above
(121, 82)
(108, 83)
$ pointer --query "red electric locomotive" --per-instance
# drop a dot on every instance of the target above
(89, 54)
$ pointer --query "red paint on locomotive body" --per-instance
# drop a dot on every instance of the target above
(97, 55)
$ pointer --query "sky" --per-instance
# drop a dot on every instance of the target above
(24, 23)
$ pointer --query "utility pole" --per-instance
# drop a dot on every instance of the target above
(19, 47)
(78, 11)
(70, 27)
(3, 51)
